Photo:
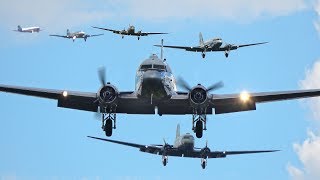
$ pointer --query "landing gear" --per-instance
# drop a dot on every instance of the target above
(164, 160)
(85, 39)
(138, 37)
(226, 53)
(199, 123)
(122, 36)
(108, 123)
(203, 163)
(203, 55)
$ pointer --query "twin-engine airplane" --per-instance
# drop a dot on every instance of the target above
(156, 92)
(28, 29)
(74, 35)
(215, 44)
(183, 147)
(130, 32)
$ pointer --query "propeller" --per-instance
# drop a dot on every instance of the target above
(183, 84)
(102, 75)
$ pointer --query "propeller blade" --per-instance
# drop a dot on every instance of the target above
(102, 75)
(183, 84)
(215, 86)
(206, 143)
(164, 141)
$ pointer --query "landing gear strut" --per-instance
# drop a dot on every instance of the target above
(203, 55)
(164, 160)
(199, 123)
(108, 123)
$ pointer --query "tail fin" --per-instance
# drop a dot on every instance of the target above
(201, 39)
(19, 28)
(178, 131)
(68, 32)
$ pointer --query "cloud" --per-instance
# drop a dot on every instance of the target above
(50, 14)
(61, 14)
(308, 153)
(211, 9)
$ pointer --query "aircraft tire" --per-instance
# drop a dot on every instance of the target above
(199, 129)
(108, 128)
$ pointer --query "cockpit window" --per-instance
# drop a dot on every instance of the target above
(146, 67)
(159, 67)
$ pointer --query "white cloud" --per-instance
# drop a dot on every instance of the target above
(245, 10)
(58, 14)
(308, 153)
(50, 14)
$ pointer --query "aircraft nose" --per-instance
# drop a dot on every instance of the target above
(152, 76)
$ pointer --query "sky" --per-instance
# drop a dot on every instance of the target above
(40, 141)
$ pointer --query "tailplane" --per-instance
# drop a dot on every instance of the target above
(178, 131)
(201, 43)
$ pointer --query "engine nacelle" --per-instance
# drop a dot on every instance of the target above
(198, 97)
(108, 95)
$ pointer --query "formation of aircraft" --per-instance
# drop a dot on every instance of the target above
(183, 147)
(156, 93)
(215, 44)
(28, 29)
(75, 35)
(130, 32)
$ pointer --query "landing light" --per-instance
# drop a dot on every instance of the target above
(65, 93)
(244, 96)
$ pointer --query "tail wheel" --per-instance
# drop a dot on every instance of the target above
(199, 129)
(108, 128)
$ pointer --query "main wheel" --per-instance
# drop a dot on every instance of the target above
(226, 54)
(199, 129)
(203, 55)
(108, 128)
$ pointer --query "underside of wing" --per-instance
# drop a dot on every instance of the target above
(247, 101)
(112, 30)
(222, 154)
(253, 44)
(55, 35)
(150, 33)
(67, 99)
(187, 48)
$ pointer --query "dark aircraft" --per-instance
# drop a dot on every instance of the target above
(74, 35)
(130, 32)
(215, 44)
(156, 93)
(183, 147)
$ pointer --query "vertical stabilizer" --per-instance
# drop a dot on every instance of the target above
(178, 131)
(201, 43)
(19, 28)
(68, 32)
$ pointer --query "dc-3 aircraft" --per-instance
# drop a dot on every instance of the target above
(183, 147)
(215, 44)
(130, 32)
(28, 29)
(156, 93)
(74, 35)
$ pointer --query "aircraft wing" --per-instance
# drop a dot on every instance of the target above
(187, 48)
(144, 148)
(233, 47)
(58, 36)
(149, 33)
(128, 102)
(254, 44)
(235, 102)
(112, 30)
(95, 35)
(222, 154)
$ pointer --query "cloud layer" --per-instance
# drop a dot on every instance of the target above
(55, 14)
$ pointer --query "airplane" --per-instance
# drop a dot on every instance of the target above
(215, 44)
(74, 35)
(130, 32)
(183, 147)
(156, 93)
(28, 29)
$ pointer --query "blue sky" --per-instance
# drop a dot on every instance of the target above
(40, 141)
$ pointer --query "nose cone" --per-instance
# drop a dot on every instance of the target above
(152, 77)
